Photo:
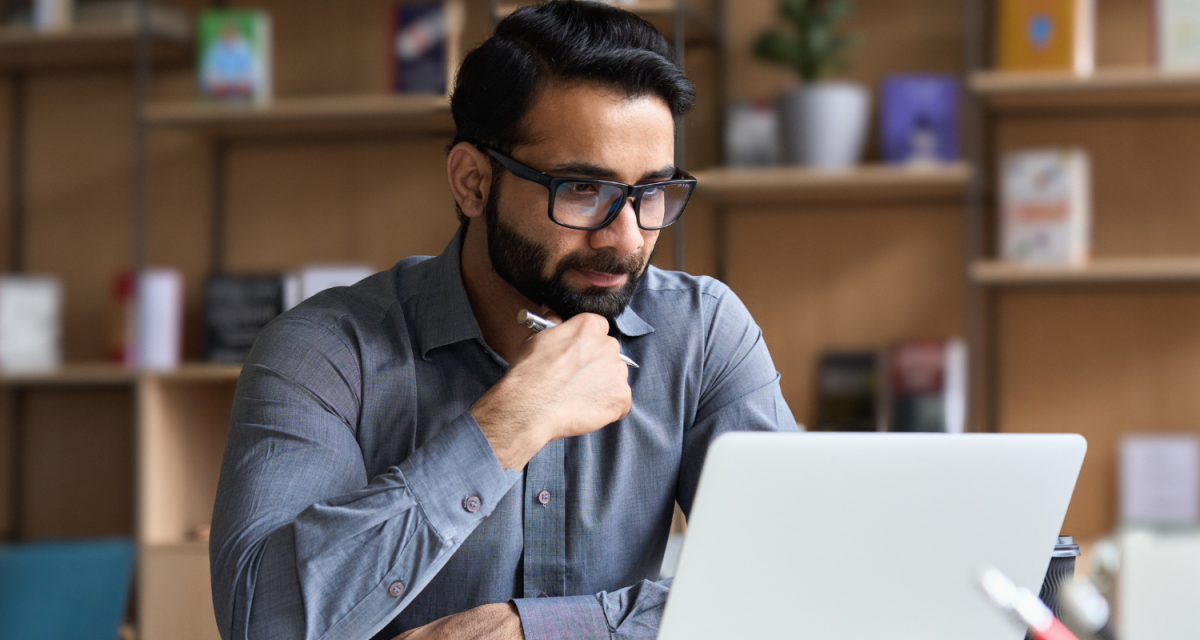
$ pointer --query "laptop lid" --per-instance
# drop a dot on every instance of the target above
(865, 536)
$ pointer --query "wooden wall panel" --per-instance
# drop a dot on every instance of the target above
(1146, 199)
(830, 277)
(1102, 362)
(78, 463)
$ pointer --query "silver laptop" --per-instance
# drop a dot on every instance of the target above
(867, 536)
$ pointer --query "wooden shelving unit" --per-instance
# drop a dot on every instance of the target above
(1106, 88)
(72, 375)
(699, 27)
(1101, 271)
(318, 115)
(774, 185)
(84, 46)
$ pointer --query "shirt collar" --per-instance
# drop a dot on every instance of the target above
(444, 315)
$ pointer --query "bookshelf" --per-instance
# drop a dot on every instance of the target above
(1137, 271)
(1107, 348)
(84, 46)
(71, 375)
(318, 115)
(700, 25)
(791, 184)
(1106, 88)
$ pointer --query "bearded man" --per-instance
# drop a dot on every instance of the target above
(404, 458)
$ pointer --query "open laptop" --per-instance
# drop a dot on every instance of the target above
(846, 536)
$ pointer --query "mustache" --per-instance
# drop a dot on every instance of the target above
(606, 262)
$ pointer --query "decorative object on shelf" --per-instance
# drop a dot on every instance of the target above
(1047, 35)
(1177, 34)
(236, 308)
(425, 43)
(313, 279)
(53, 15)
(233, 54)
(824, 123)
(849, 392)
(165, 20)
(149, 334)
(919, 119)
(927, 386)
(1045, 207)
(752, 134)
(30, 323)
(1160, 480)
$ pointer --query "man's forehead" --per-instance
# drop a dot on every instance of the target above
(598, 125)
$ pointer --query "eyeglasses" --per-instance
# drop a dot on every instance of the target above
(587, 205)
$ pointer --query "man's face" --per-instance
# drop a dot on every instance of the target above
(583, 131)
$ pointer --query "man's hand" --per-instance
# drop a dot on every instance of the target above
(489, 622)
(566, 381)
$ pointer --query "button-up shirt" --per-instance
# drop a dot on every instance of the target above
(359, 498)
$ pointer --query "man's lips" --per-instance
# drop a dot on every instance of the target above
(597, 279)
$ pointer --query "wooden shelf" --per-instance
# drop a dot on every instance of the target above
(88, 45)
(783, 185)
(1101, 271)
(98, 374)
(1132, 87)
(318, 115)
(103, 374)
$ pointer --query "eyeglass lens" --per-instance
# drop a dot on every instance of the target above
(588, 204)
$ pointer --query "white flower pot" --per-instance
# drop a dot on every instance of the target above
(824, 124)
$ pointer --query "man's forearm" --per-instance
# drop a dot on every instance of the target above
(488, 622)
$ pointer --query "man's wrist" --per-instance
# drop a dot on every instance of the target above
(513, 437)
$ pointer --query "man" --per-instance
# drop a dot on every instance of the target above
(405, 458)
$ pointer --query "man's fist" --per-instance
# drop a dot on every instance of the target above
(566, 381)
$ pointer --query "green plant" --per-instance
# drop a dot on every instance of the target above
(816, 46)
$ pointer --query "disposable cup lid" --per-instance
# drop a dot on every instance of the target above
(1066, 548)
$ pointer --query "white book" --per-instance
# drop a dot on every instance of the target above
(53, 15)
(314, 279)
(1045, 207)
(30, 323)
(159, 319)
(1177, 34)
(1160, 480)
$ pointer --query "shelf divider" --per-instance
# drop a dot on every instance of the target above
(1164, 270)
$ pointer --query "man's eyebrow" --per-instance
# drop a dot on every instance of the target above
(588, 170)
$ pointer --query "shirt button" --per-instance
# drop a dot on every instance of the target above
(471, 504)
(544, 497)
(396, 589)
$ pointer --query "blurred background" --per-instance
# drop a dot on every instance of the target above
(946, 215)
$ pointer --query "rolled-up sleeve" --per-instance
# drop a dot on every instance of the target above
(304, 544)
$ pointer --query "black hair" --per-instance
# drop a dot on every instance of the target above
(562, 41)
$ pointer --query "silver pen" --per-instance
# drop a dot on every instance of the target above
(540, 324)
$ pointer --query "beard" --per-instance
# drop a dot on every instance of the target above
(521, 263)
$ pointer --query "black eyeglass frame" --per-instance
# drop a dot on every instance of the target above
(552, 183)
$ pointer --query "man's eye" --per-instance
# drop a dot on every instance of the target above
(653, 192)
(583, 189)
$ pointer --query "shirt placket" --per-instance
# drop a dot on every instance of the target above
(545, 523)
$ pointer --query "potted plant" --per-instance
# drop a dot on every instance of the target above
(824, 123)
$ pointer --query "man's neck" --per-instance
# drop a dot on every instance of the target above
(494, 302)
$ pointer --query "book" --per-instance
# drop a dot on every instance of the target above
(425, 43)
(1047, 35)
(236, 308)
(53, 15)
(313, 279)
(1045, 206)
(30, 323)
(752, 134)
(233, 51)
(165, 21)
(1177, 34)
(148, 333)
(1160, 480)
(849, 392)
(919, 119)
(927, 386)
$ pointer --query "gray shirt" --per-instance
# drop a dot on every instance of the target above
(358, 495)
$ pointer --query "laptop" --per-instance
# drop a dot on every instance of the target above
(870, 536)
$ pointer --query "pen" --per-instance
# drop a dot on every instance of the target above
(1026, 606)
(540, 324)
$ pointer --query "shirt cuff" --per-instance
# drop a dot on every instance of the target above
(556, 618)
(457, 478)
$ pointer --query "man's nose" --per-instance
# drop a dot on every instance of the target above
(623, 235)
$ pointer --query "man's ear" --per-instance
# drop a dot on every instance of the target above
(470, 175)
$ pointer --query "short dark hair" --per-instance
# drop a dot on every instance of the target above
(560, 41)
